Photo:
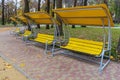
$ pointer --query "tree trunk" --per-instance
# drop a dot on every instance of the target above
(8, 11)
(5, 13)
(39, 5)
(48, 11)
(59, 5)
(38, 25)
(26, 9)
(106, 2)
(85, 4)
(53, 7)
(3, 16)
(75, 2)
(16, 8)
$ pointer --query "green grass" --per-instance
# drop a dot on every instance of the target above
(117, 25)
(90, 33)
(7, 25)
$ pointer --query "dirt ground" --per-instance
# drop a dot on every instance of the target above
(7, 71)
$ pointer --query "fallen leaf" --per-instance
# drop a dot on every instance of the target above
(8, 66)
(22, 65)
(39, 56)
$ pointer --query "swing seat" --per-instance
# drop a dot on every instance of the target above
(85, 46)
(43, 38)
(26, 33)
(17, 30)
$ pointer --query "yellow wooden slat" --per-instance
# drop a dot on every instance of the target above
(83, 13)
(86, 41)
(87, 51)
(85, 46)
(85, 21)
(43, 38)
(17, 30)
(83, 49)
(39, 17)
(43, 21)
(44, 35)
(27, 33)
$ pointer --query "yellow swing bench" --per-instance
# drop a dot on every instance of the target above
(42, 18)
(24, 21)
(17, 29)
(97, 15)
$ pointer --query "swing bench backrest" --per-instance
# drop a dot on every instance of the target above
(85, 15)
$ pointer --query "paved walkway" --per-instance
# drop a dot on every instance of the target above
(34, 63)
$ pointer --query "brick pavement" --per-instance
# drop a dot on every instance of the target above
(41, 67)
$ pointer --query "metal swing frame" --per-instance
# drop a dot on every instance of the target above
(104, 50)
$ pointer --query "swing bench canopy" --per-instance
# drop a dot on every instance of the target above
(22, 19)
(14, 20)
(39, 17)
(85, 15)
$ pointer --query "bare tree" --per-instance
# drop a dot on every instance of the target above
(53, 7)
(75, 2)
(39, 1)
(38, 25)
(26, 3)
(48, 10)
(26, 9)
(3, 17)
(15, 7)
(106, 2)
(59, 5)
(85, 4)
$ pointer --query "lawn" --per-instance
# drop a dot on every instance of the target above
(90, 33)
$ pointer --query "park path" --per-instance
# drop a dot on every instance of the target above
(38, 66)
(7, 71)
